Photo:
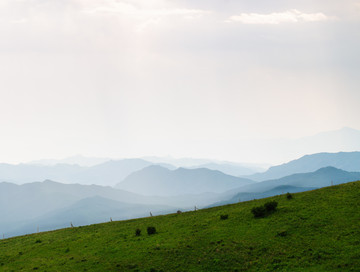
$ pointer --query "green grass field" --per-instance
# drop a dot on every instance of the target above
(315, 231)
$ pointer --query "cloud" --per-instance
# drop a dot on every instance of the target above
(142, 13)
(289, 16)
(132, 8)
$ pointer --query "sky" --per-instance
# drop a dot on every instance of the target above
(205, 78)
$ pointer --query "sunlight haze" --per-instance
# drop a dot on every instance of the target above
(209, 79)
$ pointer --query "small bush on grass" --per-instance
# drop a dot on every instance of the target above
(151, 230)
(137, 232)
(224, 216)
(264, 210)
(289, 196)
(282, 233)
(258, 211)
(270, 206)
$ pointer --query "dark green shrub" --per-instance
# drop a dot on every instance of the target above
(270, 206)
(38, 241)
(151, 230)
(258, 211)
(289, 196)
(137, 232)
(224, 216)
(281, 233)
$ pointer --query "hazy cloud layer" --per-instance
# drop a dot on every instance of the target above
(290, 16)
(132, 78)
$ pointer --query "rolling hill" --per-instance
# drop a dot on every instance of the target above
(246, 196)
(315, 231)
(86, 211)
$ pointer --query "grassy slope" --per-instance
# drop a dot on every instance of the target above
(322, 226)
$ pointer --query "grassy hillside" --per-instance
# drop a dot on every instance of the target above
(315, 231)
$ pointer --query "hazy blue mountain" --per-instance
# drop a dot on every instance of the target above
(108, 173)
(51, 204)
(35, 199)
(22, 202)
(86, 211)
(227, 168)
(156, 180)
(323, 177)
(348, 161)
(246, 196)
(320, 178)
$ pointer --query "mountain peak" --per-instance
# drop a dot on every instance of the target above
(347, 161)
(156, 180)
(329, 169)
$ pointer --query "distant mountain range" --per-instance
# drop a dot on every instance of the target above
(323, 177)
(108, 173)
(51, 205)
(198, 163)
(34, 199)
(112, 172)
(159, 181)
(348, 161)
(226, 168)
(264, 150)
(142, 187)
(326, 176)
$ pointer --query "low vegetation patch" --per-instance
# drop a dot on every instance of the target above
(282, 233)
(270, 206)
(264, 210)
(137, 232)
(259, 211)
(151, 230)
(224, 216)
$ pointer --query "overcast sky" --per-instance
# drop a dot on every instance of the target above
(127, 78)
